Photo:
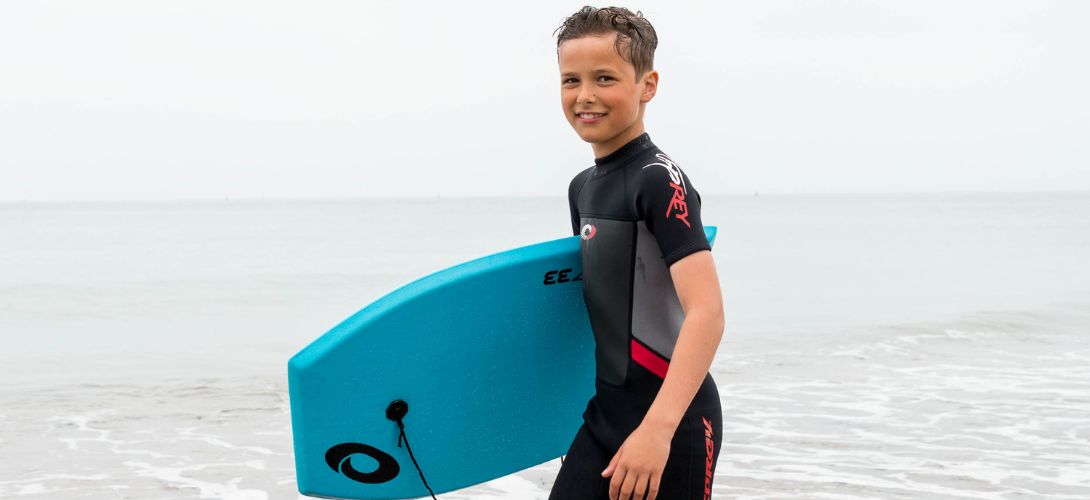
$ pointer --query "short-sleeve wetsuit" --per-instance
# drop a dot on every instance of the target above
(636, 214)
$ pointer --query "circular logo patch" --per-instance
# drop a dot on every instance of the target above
(588, 232)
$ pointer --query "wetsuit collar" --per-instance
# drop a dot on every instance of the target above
(619, 157)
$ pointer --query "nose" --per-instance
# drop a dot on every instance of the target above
(586, 94)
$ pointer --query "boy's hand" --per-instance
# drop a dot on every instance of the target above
(637, 467)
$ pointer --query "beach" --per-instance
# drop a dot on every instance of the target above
(932, 345)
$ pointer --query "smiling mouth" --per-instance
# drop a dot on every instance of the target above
(589, 116)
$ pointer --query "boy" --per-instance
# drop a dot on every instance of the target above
(652, 428)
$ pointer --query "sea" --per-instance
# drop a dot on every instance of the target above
(877, 346)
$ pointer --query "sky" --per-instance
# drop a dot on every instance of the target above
(142, 100)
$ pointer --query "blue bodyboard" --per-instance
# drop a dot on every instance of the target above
(494, 359)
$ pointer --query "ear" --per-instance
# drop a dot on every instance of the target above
(650, 83)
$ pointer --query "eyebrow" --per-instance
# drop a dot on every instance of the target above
(596, 70)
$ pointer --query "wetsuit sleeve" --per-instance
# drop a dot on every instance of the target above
(670, 206)
(574, 187)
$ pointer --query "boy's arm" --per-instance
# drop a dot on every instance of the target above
(697, 285)
(574, 187)
(574, 217)
(643, 455)
(670, 205)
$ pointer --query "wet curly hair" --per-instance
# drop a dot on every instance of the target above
(636, 38)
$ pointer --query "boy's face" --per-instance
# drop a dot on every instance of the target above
(602, 99)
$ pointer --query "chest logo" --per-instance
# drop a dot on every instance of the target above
(587, 232)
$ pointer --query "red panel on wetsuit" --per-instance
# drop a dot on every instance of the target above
(649, 360)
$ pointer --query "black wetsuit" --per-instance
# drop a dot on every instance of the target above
(636, 213)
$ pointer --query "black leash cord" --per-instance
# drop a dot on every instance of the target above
(396, 412)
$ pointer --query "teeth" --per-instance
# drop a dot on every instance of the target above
(589, 116)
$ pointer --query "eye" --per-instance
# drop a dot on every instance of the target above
(568, 81)
(605, 78)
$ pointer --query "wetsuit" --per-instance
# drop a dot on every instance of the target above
(636, 214)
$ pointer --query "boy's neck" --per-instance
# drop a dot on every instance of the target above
(601, 150)
(622, 155)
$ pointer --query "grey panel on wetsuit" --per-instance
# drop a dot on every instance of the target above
(656, 310)
(607, 278)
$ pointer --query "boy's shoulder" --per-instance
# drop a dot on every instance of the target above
(579, 179)
(657, 171)
(657, 166)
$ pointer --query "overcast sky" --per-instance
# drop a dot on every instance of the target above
(166, 100)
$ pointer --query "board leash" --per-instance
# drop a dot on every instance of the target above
(396, 412)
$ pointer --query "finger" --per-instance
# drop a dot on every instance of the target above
(629, 485)
(640, 490)
(615, 483)
(612, 463)
(653, 486)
